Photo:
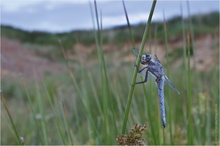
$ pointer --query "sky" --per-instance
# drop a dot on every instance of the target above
(67, 15)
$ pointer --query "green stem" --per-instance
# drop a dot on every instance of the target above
(189, 129)
(33, 112)
(168, 74)
(12, 123)
(191, 35)
(184, 37)
(129, 26)
(135, 70)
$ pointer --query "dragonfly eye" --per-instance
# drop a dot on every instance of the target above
(145, 58)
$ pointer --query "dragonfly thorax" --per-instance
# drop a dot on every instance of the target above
(145, 58)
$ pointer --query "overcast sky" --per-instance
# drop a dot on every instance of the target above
(67, 15)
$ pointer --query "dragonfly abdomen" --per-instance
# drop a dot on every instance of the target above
(160, 85)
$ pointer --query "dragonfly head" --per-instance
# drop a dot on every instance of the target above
(145, 58)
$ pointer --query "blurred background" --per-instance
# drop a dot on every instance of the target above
(52, 75)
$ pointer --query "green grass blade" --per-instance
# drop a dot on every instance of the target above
(184, 37)
(56, 120)
(129, 26)
(41, 110)
(216, 75)
(104, 77)
(32, 110)
(86, 103)
(67, 127)
(191, 34)
(189, 100)
(104, 100)
(95, 93)
(150, 116)
(130, 95)
(168, 74)
(11, 120)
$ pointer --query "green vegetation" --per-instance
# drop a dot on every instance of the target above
(86, 105)
(206, 23)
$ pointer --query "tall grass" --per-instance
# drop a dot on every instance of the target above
(93, 103)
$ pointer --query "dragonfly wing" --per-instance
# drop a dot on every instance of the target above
(160, 86)
(136, 52)
(152, 76)
(156, 59)
(171, 84)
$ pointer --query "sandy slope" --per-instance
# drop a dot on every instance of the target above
(17, 59)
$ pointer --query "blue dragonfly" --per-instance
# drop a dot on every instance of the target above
(155, 69)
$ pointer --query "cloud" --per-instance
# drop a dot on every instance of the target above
(66, 15)
(12, 6)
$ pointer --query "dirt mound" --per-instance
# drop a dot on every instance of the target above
(16, 59)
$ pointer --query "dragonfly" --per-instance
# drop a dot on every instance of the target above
(155, 68)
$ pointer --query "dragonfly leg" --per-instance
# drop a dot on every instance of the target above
(140, 70)
(145, 79)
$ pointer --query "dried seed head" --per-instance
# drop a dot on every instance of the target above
(134, 136)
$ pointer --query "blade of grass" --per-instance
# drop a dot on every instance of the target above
(11, 120)
(149, 107)
(105, 82)
(189, 102)
(41, 110)
(56, 120)
(208, 123)
(4, 121)
(148, 99)
(144, 86)
(32, 110)
(191, 34)
(98, 42)
(184, 37)
(168, 74)
(86, 103)
(131, 90)
(129, 26)
(216, 91)
(73, 80)
(95, 93)
(192, 44)
(158, 123)
(104, 95)
(67, 127)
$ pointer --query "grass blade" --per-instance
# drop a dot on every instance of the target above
(130, 95)
(32, 110)
(56, 120)
(11, 120)
(189, 102)
(129, 26)
(191, 34)
(42, 113)
(168, 74)
(184, 37)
